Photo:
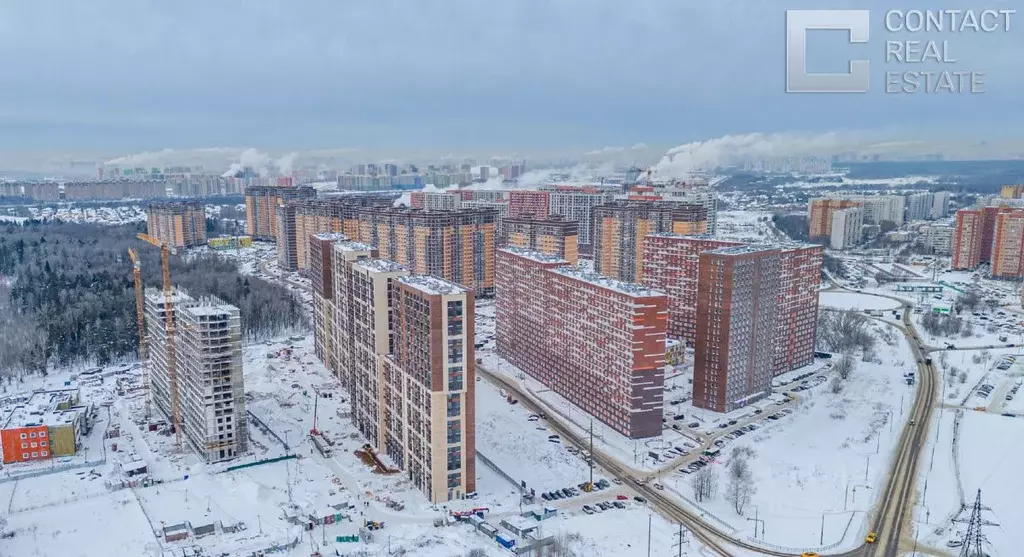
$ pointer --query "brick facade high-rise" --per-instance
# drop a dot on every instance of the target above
(1008, 245)
(577, 204)
(402, 345)
(797, 313)
(620, 228)
(737, 301)
(967, 239)
(671, 265)
(568, 329)
(820, 215)
(181, 224)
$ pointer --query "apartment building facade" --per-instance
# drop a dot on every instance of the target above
(456, 245)
(937, 239)
(692, 195)
(598, 342)
(620, 228)
(671, 264)
(429, 387)
(207, 386)
(737, 301)
(321, 265)
(820, 213)
(179, 224)
(1008, 246)
(403, 348)
(577, 204)
(261, 204)
(533, 202)
(968, 234)
(847, 226)
(797, 309)
(547, 234)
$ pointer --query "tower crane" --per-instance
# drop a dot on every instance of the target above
(140, 311)
(168, 291)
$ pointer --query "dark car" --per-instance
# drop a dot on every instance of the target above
(639, 499)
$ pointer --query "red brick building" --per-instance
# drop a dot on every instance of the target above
(670, 264)
(799, 289)
(1008, 245)
(597, 342)
(528, 201)
(967, 239)
(737, 299)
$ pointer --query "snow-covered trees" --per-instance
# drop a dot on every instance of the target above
(740, 489)
(704, 483)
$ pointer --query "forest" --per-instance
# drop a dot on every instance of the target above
(67, 294)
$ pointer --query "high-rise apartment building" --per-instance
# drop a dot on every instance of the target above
(321, 270)
(430, 386)
(797, 309)
(937, 239)
(920, 205)
(436, 200)
(988, 226)
(882, 208)
(737, 300)
(671, 265)
(403, 348)
(1008, 245)
(456, 245)
(577, 204)
(532, 202)
(820, 215)
(1015, 191)
(261, 204)
(620, 228)
(847, 225)
(564, 326)
(286, 237)
(207, 386)
(550, 235)
(967, 238)
(693, 195)
(940, 205)
(181, 224)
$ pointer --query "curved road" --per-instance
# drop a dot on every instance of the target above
(889, 518)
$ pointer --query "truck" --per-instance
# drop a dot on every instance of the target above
(928, 361)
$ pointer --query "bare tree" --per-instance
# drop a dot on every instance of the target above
(844, 366)
(836, 386)
(741, 488)
(704, 484)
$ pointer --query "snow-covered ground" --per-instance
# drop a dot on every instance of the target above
(829, 458)
(853, 300)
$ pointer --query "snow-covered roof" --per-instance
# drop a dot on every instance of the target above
(349, 245)
(743, 250)
(627, 288)
(535, 255)
(432, 285)
(380, 265)
(331, 236)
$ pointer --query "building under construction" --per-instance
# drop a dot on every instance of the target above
(181, 224)
(547, 234)
(197, 382)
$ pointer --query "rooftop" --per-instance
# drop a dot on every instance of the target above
(331, 236)
(627, 288)
(380, 265)
(534, 255)
(745, 249)
(349, 245)
(42, 409)
(432, 285)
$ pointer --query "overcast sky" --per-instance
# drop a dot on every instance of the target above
(127, 75)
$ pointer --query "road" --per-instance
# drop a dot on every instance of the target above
(890, 518)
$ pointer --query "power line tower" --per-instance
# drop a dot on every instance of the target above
(974, 539)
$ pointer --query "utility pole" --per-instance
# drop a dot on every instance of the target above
(591, 452)
(867, 466)
(682, 538)
(821, 540)
(650, 518)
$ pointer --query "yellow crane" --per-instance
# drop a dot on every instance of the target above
(140, 313)
(168, 291)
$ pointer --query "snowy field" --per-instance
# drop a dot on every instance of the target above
(828, 458)
(852, 300)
